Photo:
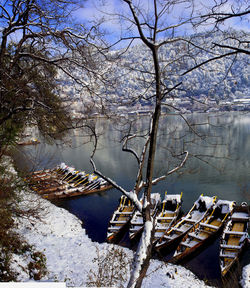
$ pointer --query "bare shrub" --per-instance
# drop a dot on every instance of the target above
(112, 268)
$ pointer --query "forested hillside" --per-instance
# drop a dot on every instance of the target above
(130, 76)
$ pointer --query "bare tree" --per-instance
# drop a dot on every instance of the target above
(223, 16)
(44, 39)
(149, 32)
(154, 25)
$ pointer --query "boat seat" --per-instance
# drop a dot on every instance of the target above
(198, 236)
(209, 226)
(118, 222)
(235, 233)
(188, 245)
(226, 255)
(164, 218)
(135, 228)
(230, 246)
(169, 213)
(125, 213)
(166, 237)
(240, 218)
(159, 234)
(179, 230)
(161, 226)
(190, 220)
(114, 228)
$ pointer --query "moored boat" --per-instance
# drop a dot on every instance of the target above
(65, 181)
(120, 220)
(169, 212)
(199, 210)
(136, 223)
(234, 238)
(98, 185)
(203, 232)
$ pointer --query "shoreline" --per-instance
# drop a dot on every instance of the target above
(70, 253)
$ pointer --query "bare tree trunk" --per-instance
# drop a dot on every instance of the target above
(145, 247)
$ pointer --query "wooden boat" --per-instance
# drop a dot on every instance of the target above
(40, 175)
(64, 181)
(72, 192)
(61, 169)
(136, 223)
(56, 187)
(169, 212)
(199, 210)
(42, 172)
(120, 220)
(234, 238)
(205, 231)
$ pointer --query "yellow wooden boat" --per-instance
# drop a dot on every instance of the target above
(120, 220)
(197, 238)
(234, 238)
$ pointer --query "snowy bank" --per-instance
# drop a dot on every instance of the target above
(70, 253)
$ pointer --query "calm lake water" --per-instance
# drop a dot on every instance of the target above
(219, 164)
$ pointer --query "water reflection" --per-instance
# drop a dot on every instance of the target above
(220, 165)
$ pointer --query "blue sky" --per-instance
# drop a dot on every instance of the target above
(93, 10)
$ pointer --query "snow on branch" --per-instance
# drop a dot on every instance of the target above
(141, 253)
(220, 17)
(173, 170)
(131, 195)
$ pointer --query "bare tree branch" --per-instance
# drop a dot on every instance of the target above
(126, 149)
(155, 181)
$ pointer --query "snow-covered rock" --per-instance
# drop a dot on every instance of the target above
(245, 281)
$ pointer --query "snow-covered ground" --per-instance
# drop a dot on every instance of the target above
(245, 281)
(71, 255)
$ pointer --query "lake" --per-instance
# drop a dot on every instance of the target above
(219, 164)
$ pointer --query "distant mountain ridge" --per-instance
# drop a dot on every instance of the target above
(216, 84)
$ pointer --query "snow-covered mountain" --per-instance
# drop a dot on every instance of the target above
(128, 82)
